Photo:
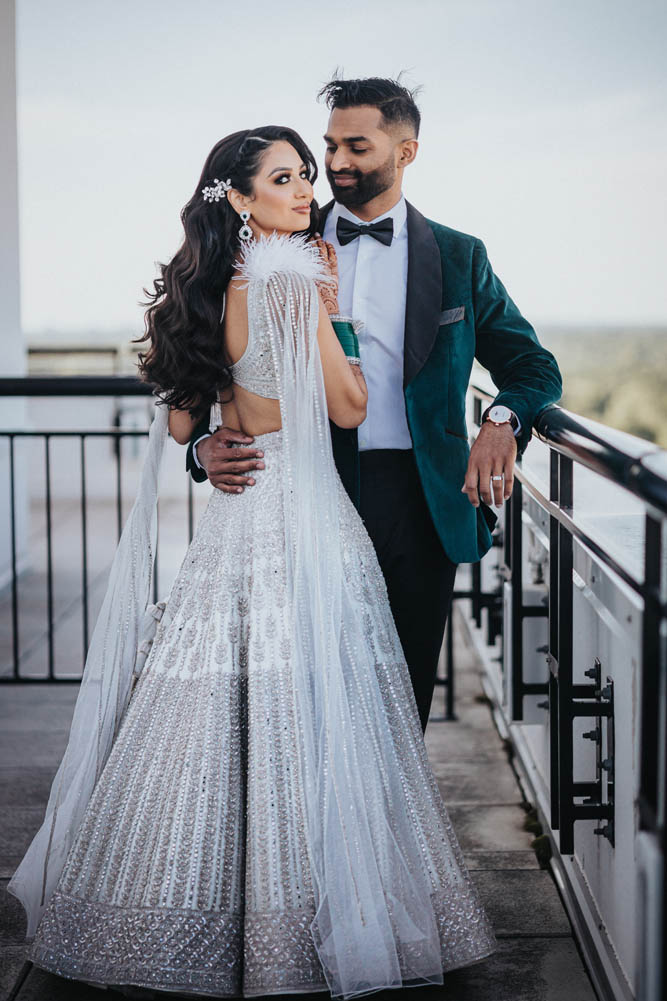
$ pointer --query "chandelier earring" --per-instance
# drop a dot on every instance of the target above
(245, 233)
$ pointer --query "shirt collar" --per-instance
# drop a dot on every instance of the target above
(399, 214)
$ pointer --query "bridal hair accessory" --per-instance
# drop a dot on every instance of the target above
(214, 192)
(245, 233)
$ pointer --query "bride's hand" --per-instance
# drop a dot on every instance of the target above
(328, 290)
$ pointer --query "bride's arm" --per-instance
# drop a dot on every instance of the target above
(181, 425)
(344, 383)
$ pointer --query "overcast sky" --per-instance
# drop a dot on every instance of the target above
(544, 133)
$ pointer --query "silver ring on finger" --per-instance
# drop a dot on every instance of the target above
(497, 477)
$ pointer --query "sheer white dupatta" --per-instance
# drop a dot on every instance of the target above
(103, 694)
(374, 926)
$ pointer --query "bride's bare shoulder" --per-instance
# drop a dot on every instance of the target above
(235, 323)
(236, 309)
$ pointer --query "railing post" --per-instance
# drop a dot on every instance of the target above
(565, 615)
(476, 580)
(449, 694)
(553, 643)
(49, 554)
(652, 749)
(119, 485)
(84, 546)
(516, 584)
(15, 596)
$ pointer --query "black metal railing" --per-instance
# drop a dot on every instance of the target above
(115, 387)
(636, 465)
(118, 387)
(640, 468)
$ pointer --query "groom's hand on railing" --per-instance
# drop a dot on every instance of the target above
(227, 465)
(492, 455)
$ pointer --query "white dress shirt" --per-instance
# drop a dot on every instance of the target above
(372, 288)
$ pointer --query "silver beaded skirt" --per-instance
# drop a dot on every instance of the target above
(190, 870)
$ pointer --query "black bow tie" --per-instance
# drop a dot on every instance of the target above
(347, 231)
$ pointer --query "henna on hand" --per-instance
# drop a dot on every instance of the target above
(328, 290)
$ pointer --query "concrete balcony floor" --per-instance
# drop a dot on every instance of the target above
(538, 958)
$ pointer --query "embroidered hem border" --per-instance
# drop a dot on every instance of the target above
(185, 950)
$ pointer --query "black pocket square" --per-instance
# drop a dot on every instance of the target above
(452, 315)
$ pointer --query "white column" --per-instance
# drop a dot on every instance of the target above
(12, 347)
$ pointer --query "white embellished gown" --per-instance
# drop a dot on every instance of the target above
(204, 856)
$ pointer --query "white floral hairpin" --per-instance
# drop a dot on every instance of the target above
(216, 191)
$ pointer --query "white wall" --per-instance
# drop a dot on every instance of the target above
(11, 340)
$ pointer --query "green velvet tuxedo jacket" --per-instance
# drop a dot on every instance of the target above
(457, 309)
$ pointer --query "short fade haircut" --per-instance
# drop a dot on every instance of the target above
(395, 102)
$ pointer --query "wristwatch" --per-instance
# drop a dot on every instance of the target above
(498, 414)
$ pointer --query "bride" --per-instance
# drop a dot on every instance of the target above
(257, 813)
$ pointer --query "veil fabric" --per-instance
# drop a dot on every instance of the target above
(103, 694)
(374, 926)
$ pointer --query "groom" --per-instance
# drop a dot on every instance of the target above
(429, 302)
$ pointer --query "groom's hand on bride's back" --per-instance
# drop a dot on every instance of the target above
(228, 461)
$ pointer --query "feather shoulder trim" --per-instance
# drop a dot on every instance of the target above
(281, 254)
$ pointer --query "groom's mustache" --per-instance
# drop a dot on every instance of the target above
(344, 173)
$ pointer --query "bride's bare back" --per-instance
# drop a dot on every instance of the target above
(241, 409)
(246, 414)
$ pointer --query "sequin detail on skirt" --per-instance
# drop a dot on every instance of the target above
(190, 871)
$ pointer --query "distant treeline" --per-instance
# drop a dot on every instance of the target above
(614, 375)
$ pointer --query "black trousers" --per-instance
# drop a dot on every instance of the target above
(418, 573)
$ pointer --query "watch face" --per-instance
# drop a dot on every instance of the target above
(500, 413)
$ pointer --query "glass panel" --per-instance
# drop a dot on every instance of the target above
(535, 464)
(612, 516)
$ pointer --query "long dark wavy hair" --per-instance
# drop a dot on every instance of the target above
(184, 362)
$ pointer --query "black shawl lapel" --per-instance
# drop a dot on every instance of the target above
(424, 294)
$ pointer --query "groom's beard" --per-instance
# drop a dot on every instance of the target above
(367, 186)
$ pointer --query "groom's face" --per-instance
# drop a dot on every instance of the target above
(361, 160)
